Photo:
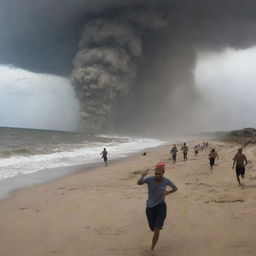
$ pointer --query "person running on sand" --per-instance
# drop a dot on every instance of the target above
(196, 149)
(104, 154)
(174, 151)
(212, 156)
(184, 148)
(240, 161)
(156, 207)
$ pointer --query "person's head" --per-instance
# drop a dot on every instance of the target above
(174, 145)
(240, 150)
(213, 150)
(184, 144)
(104, 148)
(159, 171)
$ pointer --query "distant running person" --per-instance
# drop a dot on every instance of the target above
(184, 148)
(196, 148)
(156, 207)
(104, 154)
(174, 151)
(240, 161)
(212, 156)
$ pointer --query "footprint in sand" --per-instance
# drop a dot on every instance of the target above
(225, 201)
(23, 208)
(147, 253)
(107, 230)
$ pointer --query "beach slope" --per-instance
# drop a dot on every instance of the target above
(102, 211)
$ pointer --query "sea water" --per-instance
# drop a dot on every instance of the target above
(26, 151)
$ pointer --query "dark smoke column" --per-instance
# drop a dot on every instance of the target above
(105, 65)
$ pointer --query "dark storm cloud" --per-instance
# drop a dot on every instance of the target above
(131, 61)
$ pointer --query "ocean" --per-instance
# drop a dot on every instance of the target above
(28, 151)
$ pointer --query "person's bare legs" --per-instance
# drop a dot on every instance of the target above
(155, 238)
(238, 179)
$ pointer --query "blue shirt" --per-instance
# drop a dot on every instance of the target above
(156, 190)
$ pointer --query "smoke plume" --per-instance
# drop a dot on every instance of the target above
(131, 63)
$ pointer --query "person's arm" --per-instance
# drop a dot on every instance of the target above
(173, 189)
(166, 192)
(140, 180)
(234, 162)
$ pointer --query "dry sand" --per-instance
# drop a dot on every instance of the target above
(102, 212)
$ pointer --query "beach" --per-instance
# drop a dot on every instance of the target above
(102, 211)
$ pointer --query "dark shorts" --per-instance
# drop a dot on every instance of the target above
(240, 170)
(212, 160)
(156, 216)
(105, 159)
(174, 156)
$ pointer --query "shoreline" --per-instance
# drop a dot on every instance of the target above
(9, 186)
(102, 212)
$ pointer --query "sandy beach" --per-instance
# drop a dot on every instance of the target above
(102, 211)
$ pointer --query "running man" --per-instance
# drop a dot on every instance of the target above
(156, 207)
(184, 148)
(174, 151)
(104, 154)
(212, 156)
(196, 148)
(240, 161)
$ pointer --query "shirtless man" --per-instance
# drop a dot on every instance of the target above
(212, 156)
(104, 154)
(240, 161)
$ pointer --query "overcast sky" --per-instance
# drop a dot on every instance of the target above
(227, 81)
(39, 101)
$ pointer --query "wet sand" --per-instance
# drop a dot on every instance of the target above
(102, 211)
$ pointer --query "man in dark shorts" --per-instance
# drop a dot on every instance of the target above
(104, 154)
(212, 156)
(156, 207)
(240, 161)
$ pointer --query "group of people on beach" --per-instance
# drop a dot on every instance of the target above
(174, 152)
(184, 149)
(240, 160)
(156, 209)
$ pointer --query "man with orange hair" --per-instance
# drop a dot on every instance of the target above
(156, 207)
